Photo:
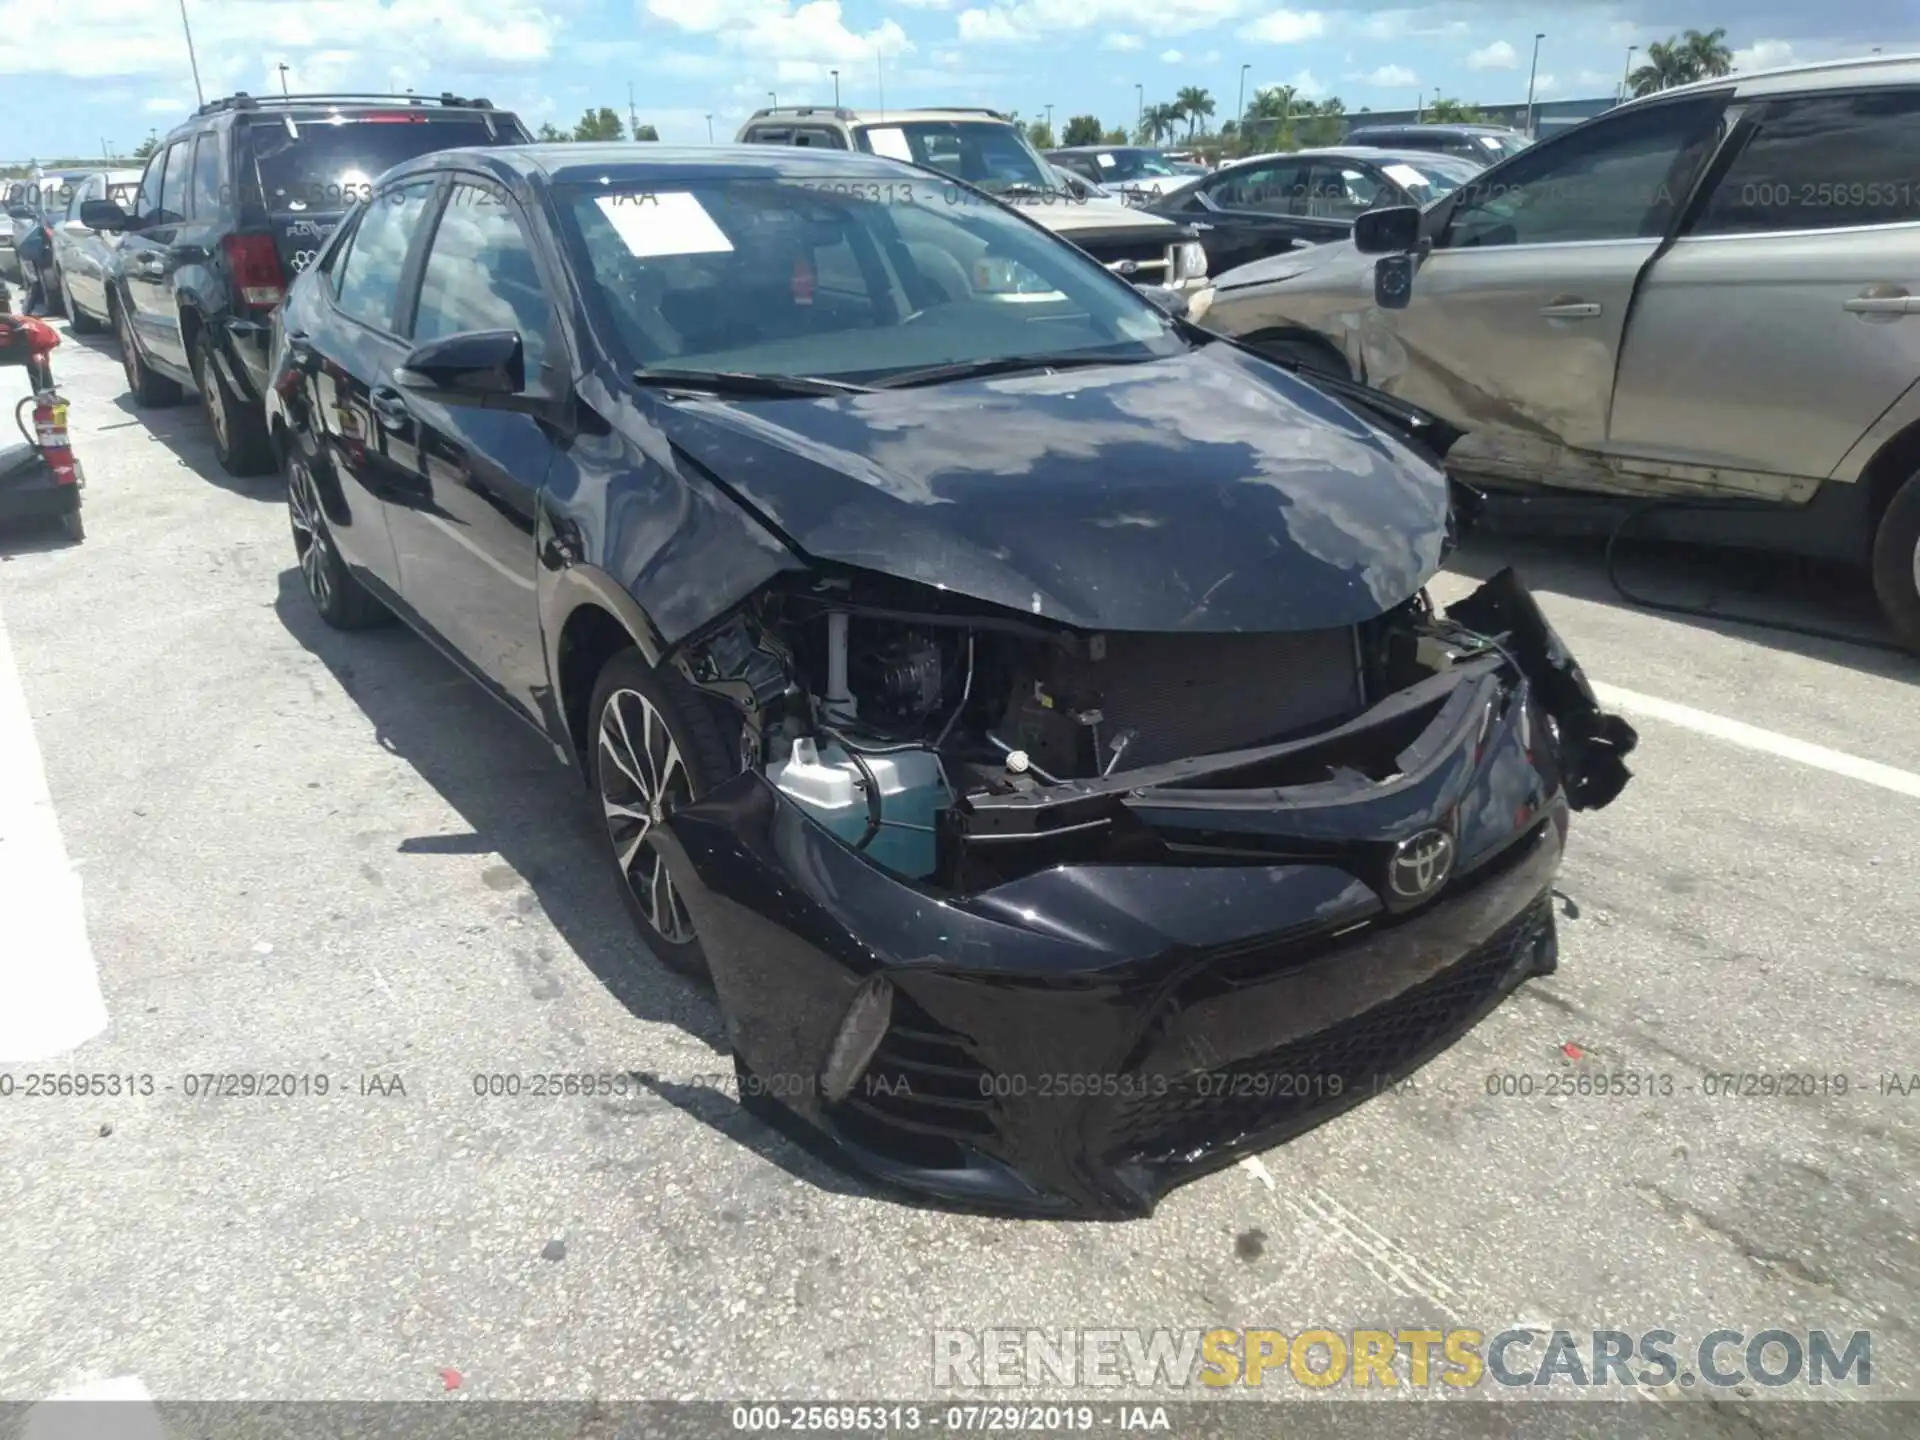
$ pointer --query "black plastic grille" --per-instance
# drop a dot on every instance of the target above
(1202, 1113)
(923, 1093)
(1152, 251)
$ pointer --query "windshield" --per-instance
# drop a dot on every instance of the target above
(1501, 146)
(993, 156)
(326, 165)
(1132, 165)
(849, 279)
(1428, 177)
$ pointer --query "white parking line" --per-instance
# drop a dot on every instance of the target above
(1752, 737)
(49, 989)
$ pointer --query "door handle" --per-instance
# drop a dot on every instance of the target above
(390, 405)
(1570, 310)
(1889, 301)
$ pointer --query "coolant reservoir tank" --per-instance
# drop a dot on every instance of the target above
(828, 786)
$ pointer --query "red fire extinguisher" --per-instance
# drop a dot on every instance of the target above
(49, 434)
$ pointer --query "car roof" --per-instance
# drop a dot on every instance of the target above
(797, 114)
(1106, 150)
(1463, 128)
(1378, 154)
(1821, 75)
(588, 162)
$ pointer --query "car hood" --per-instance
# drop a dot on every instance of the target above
(1066, 216)
(1209, 491)
(1334, 258)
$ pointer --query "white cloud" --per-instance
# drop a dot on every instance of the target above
(1285, 27)
(1764, 55)
(1544, 85)
(1497, 56)
(335, 40)
(924, 4)
(1212, 57)
(1308, 85)
(1171, 57)
(812, 36)
(1006, 20)
(1596, 82)
(1392, 77)
(1120, 40)
(1397, 24)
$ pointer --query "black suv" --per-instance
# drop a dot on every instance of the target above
(234, 203)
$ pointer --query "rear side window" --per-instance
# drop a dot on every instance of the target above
(146, 202)
(208, 198)
(173, 188)
(1823, 162)
(322, 166)
(368, 288)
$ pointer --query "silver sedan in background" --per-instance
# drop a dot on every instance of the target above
(83, 257)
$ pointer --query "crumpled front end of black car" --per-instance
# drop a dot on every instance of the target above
(1045, 921)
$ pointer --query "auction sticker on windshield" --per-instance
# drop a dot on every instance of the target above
(1405, 175)
(663, 223)
(890, 141)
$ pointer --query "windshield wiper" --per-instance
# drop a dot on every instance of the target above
(1004, 364)
(740, 382)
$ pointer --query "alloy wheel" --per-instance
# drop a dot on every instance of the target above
(640, 770)
(215, 399)
(310, 540)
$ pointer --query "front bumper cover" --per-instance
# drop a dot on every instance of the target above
(1077, 1040)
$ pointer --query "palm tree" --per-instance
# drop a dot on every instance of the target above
(1668, 64)
(1195, 104)
(1707, 56)
(1160, 123)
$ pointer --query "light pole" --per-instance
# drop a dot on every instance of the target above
(633, 116)
(1626, 75)
(1140, 109)
(1530, 78)
(1049, 121)
(283, 77)
(836, 88)
(1240, 109)
(198, 94)
(773, 99)
(709, 129)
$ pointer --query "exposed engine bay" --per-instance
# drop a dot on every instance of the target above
(961, 747)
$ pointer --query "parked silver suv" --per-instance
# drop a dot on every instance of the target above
(1709, 292)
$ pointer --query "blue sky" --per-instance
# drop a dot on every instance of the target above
(108, 70)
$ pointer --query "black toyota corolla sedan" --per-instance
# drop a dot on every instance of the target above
(1022, 704)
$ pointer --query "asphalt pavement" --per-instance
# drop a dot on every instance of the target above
(310, 854)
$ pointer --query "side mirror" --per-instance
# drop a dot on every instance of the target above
(102, 215)
(479, 366)
(1173, 302)
(1393, 230)
(19, 212)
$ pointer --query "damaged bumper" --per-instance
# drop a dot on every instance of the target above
(1202, 958)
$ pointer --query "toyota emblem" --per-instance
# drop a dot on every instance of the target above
(1420, 866)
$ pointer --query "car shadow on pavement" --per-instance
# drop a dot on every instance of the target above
(1746, 595)
(182, 428)
(523, 806)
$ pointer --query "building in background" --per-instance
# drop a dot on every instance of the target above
(1549, 116)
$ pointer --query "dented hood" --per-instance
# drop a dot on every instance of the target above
(1209, 491)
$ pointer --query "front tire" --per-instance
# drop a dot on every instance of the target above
(1896, 563)
(343, 602)
(652, 744)
(239, 430)
(147, 388)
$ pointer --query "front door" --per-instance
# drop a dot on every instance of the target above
(1516, 317)
(466, 540)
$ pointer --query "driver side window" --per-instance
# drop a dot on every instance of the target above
(146, 201)
(1620, 179)
(1274, 188)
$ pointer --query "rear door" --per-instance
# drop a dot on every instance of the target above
(1517, 313)
(309, 167)
(372, 455)
(1786, 319)
(466, 533)
(147, 262)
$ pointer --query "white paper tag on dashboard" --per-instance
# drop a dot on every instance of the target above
(656, 223)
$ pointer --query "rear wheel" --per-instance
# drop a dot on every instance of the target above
(654, 744)
(239, 429)
(343, 602)
(1896, 563)
(147, 387)
(78, 320)
(75, 527)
